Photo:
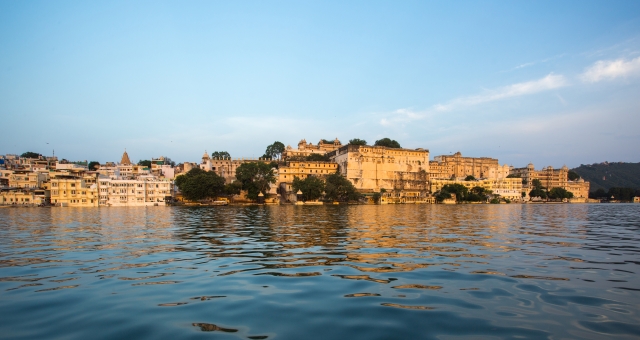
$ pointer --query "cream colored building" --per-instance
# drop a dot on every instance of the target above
(456, 166)
(509, 188)
(143, 191)
(552, 178)
(306, 149)
(371, 168)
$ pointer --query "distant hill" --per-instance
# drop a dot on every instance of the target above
(608, 175)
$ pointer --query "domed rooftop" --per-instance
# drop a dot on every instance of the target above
(125, 158)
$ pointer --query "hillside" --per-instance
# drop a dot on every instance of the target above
(607, 175)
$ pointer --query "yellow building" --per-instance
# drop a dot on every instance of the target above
(455, 165)
(72, 191)
(371, 168)
(23, 196)
(27, 179)
(552, 178)
(302, 170)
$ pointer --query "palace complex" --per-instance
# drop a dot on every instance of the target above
(394, 175)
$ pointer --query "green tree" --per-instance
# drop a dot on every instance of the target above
(559, 193)
(621, 194)
(573, 176)
(600, 193)
(220, 155)
(93, 165)
(255, 178)
(357, 141)
(340, 189)
(198, 184)
(274, 150)
(537, 184)
(478, 194)
(233, 188)
(145, 162)
(470, 178)
(376, 197)
(311, 187)
(318, 157)
(390, 143)
(458, 189)
(30, 154)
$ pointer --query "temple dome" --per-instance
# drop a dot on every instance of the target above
(125, 158)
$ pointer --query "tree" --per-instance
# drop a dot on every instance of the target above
(198, 184)
(376, 197)
(470, 178)
(621, 194)
(311, 187)
(559, 193)
(30, 154)
(93, 165)
(600, 193)
(233, 188)
(537, 184)
(274, 150)
(255, 178)
(458, 189)
(318, 157)
(340, 189)
(145, 162)
(478, 194)
(513, 176)
(573, 176)
(357, 141)
(390, 143)
(220, 155)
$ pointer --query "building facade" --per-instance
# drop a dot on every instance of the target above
(552, 178)
(456, 166)
(371, 168)
(306, 149)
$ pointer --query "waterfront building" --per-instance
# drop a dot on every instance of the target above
(144, 191)
(371, 168)
(553, 178)
(74, 191)
(448, 166)
(509, 188)
(23, 196)
(306, 149)
(224, 167)
(302, 170)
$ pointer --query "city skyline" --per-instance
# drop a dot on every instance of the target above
(542, 82)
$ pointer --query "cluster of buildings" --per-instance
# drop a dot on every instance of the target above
(46, 180)
(397, 175)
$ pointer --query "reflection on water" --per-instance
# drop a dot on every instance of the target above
(503, 271)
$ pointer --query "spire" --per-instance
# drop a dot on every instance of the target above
(125, 158)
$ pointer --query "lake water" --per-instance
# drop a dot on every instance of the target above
(321, 272)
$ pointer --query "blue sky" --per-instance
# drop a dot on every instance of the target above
(549, 82)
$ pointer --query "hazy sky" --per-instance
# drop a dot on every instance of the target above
(552, 82)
